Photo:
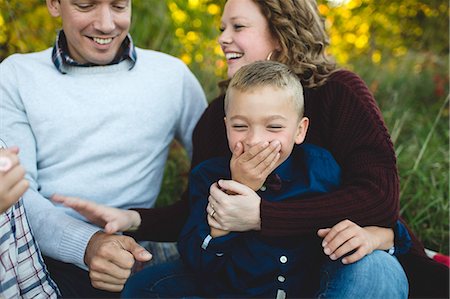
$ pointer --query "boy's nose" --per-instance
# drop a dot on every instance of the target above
(252, 139)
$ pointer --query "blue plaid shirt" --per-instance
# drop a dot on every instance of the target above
(22, 270)
(61, 57)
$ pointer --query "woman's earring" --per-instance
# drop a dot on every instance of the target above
(269, 56)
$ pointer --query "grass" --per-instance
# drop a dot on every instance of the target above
(413, 96)
(412, 93)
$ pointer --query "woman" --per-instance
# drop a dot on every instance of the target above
(344, 119)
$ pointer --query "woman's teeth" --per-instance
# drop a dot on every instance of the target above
(233, 55)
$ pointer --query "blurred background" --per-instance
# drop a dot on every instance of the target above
(399, 47)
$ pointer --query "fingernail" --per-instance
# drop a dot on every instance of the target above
(344, 261)
(324, 243)
(333, 257)
(327, 251)
(146, 254)
(5, 164)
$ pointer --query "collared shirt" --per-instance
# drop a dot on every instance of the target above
(22, 270)
(245, 264)
(60, 53)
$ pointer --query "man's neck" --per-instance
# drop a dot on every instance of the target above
(61, 55)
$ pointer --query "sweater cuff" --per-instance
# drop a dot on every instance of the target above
(73, 244)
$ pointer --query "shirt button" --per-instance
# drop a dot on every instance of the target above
(281, 278)
(283, 259)
(263, 188)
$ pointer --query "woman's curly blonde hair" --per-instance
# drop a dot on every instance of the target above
(300, 30)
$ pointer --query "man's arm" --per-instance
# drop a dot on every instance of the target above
(60, 236)
(193, 104)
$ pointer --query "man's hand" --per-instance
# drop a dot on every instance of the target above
(110, 259)
(347, 236)
(252, 167)
(112, 219)
(12, 182)
(237, 211)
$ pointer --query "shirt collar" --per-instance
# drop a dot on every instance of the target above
(61, 57)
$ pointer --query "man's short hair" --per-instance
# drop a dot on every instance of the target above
(267, 73)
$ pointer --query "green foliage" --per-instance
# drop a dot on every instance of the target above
(25, 26)
(186, 29)
(399, 47)
(413, 96)
(386, 28)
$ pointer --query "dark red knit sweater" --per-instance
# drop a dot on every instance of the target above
(344, 119)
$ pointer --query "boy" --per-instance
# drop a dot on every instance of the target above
(264, 102)
(22, 271)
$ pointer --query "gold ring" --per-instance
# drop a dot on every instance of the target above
(212, 213)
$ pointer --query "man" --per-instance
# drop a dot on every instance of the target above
(94, 117)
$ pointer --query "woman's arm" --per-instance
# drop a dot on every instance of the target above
(345, 120)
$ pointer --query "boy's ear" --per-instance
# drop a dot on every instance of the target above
(301, 130)
(54, 7)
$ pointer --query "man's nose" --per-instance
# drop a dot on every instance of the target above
(105, 20)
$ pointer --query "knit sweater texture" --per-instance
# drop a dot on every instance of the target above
(345, 120)
(100, 133)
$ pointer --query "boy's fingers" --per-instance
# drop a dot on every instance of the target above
(340, 238)
(354, 257)
(254, 151)
(265, 157)
(345, 248)
(269, 165)
(233, 186)
(238, 150)
(335, 230)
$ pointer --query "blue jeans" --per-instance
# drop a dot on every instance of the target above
(167, 280)
(378, 275)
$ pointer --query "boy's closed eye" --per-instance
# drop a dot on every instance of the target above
(239, 127)
(275, 127)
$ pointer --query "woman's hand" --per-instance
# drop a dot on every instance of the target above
(347, 236)
(112, 219)
(236, 207)
(12, 181)
(252, 167)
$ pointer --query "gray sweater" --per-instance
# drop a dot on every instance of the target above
(101, 133)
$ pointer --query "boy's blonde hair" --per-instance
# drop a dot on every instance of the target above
(267, 73)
